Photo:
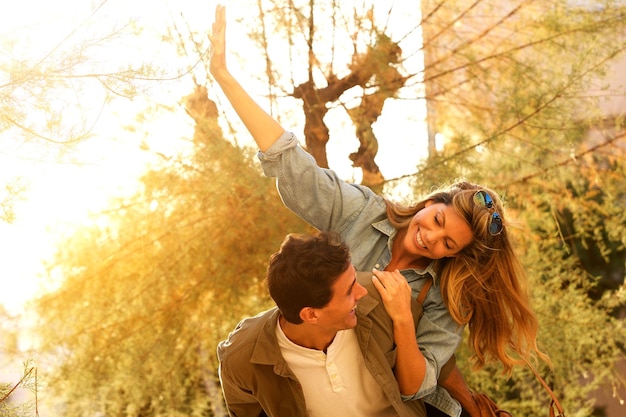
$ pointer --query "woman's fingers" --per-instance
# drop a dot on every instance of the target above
(395, 293)
(391, 285)
(217, 36)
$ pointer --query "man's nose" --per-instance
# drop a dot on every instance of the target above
(361, 291)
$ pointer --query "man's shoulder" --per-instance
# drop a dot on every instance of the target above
(372, 304)
(244, 336)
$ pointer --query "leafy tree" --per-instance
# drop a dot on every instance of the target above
(56, 87)
(9, 407)
(156, 282)
(511, 87)
(53, 97)
(13, 192)
(342, 64)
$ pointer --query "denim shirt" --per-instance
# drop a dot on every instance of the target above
(326, 202)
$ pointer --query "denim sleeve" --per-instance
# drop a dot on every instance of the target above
(436, 344)
(438, 335)
(315, 194)
(438, 339)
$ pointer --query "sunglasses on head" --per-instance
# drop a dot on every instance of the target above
(483, 199)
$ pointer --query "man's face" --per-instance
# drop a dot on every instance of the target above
(339, 313)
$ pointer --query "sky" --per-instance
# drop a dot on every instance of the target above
(62, 193)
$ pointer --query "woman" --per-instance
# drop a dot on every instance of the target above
(458, 235)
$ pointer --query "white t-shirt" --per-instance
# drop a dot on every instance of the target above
(335, 383)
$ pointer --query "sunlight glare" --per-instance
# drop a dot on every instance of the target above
(64, 192)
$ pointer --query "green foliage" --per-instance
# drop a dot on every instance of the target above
(46, 82)
(55, 86)
(511, 87)
(513, 100)
(574, 250)
(13, 192)
(150, 290)
(12, 407)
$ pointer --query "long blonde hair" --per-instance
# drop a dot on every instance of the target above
(484, 285)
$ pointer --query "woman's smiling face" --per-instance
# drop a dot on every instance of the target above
(437, 231)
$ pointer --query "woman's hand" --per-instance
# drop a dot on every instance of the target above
(217, 36)
(410, 366)
(263, 128)
(395, 293)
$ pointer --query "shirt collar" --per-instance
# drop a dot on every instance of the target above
(385, 227)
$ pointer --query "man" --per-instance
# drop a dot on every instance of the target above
(316, 353)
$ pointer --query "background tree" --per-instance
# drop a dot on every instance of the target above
(177, 266)
(58, 86)
(16, 392)
(340, 62)
(509, 84)
(12, 403)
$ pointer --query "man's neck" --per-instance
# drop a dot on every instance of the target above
(306, 335)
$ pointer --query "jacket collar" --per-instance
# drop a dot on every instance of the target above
(266, 350)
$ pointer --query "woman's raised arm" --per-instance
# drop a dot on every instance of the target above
(263, 128)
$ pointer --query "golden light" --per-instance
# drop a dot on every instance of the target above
(63, 191)
(108, 163)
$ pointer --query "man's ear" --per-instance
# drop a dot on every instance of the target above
(308, 315)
